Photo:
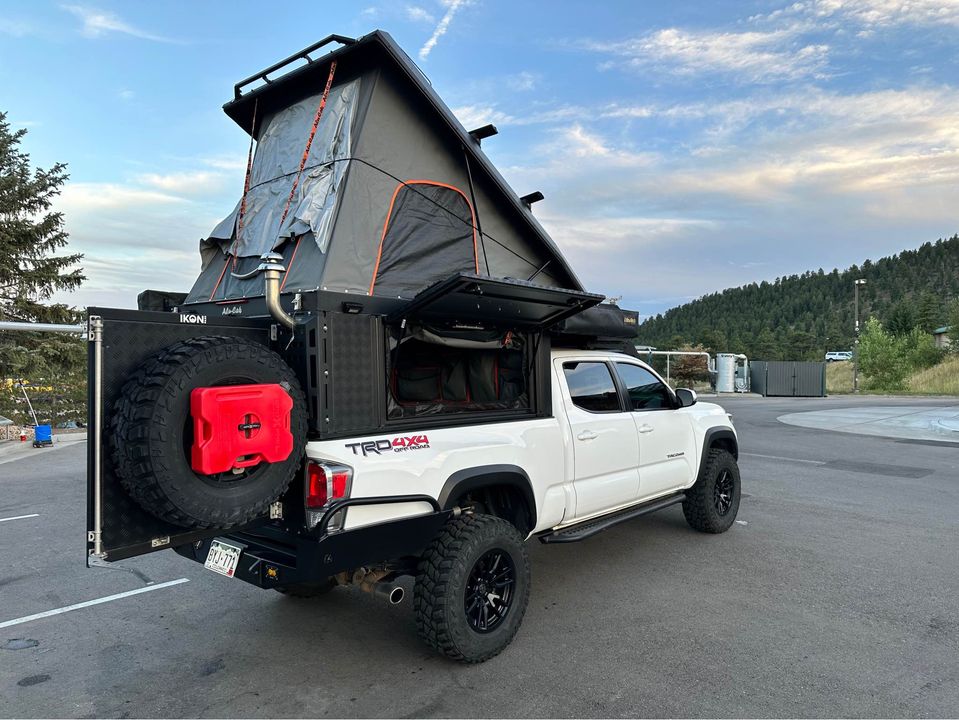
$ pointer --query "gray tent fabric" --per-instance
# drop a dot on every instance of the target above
(393, 195)
(279, 151)
(429, 235)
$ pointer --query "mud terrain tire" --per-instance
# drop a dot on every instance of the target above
(462, 557)
(150, 434)
(712, 503)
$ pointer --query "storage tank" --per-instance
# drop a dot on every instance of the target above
(726, 372)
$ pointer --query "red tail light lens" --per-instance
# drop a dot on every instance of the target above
(326, 482)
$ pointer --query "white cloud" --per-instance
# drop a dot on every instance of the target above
(523, 81)
(419, 14)
(97, 23)
(185, 183)
(126, 94)
(754, 56)
(15, 28)
(226, 162)
(82, 197)
(883, 13)
(441, 28)
(474, 116)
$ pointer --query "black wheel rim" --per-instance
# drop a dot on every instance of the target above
(723, 492)
(489, 591)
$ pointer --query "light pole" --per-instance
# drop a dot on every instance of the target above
(855, 352)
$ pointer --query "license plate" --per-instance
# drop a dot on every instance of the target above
(223, 557)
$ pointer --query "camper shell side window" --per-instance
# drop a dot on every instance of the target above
(459, 371)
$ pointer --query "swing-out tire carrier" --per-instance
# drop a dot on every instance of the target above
(274, 557)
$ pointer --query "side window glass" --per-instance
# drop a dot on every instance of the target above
(591, 386)
(644, 390)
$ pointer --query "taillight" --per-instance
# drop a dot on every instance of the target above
(326, 483)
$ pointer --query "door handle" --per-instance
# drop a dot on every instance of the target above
(646, 429)
(587, 435)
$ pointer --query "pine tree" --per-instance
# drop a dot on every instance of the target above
(902, 318)
(928, 312)
(30, 236)
(31, 270)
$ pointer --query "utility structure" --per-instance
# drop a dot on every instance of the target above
(855, 355)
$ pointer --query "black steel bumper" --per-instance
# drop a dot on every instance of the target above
(273, 556)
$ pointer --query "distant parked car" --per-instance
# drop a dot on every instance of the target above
(839, 356)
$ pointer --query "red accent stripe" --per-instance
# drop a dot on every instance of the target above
(309, 143)
(246, 181)
(226, 264)
(286, 275)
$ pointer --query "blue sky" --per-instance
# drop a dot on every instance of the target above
(682, 147)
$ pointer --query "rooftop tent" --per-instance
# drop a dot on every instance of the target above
(393, 196)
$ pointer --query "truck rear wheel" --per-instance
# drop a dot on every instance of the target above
(712, 503)
(472, 588)
(151, 434)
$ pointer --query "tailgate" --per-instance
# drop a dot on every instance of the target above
(119, 341)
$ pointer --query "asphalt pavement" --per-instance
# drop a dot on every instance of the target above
(837, 594)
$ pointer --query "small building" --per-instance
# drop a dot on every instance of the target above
(941, 336)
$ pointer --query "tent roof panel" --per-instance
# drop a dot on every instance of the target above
(353, 58)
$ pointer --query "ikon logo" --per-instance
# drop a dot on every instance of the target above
(397, 444)
(193, 319)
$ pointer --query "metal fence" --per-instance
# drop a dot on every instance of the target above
(788, 379)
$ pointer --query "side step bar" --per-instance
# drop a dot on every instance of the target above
(575, 533)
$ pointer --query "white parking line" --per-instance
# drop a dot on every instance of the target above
(787, 459)
(88, 603)
(19, 517)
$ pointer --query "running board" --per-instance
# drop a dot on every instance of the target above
(575, 533)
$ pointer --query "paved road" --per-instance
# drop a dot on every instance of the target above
(839, 597)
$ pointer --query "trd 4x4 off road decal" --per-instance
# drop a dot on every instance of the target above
(397, 444)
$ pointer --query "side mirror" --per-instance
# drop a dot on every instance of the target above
(686, 397)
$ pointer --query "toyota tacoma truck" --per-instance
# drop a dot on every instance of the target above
(385, 368)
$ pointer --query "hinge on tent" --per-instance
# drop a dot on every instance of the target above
(274, 332)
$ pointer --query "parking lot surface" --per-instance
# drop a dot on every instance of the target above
(837, 594)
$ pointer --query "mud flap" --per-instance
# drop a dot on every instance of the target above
(119, 341)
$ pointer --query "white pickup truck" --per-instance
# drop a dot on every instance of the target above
(620, 444)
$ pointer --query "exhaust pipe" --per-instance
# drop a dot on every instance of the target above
(390, 592)
(271, 265)
(379, 582)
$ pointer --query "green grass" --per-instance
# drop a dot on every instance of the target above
(839, 378)
(941, 379)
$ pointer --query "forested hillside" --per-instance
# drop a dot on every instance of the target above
(803, 316)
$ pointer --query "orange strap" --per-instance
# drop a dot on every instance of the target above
(246, 180)
(309, 143)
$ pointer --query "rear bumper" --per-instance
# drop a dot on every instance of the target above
(273, 556)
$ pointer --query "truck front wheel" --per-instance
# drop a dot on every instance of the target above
(472, 588)
(712, 503)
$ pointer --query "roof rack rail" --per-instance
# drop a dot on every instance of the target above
(303, 54)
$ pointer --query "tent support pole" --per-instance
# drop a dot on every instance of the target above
(479, 227)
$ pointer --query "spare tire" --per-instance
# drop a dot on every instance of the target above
(151, 434)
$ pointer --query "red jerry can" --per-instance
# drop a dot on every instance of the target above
(239, 426)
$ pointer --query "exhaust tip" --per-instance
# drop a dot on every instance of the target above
(393, 594)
